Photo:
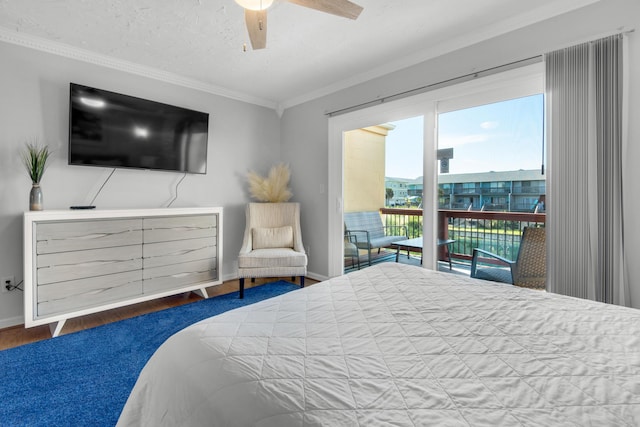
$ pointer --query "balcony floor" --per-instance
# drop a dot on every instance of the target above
(388, 255)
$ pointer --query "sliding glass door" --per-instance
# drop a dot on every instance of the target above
(426, 107)
(491, 165)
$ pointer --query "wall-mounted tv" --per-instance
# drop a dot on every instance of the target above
(119, 131)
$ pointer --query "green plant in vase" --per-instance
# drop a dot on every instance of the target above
(35, 159)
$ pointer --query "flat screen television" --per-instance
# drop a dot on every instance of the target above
(119, 131)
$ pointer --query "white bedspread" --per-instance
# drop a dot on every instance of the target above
(403, 346)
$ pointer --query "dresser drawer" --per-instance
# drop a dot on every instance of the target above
(159, 283)
(179, 251)
(167, 229)
(63, 297)
(62, 266)
(51, 237)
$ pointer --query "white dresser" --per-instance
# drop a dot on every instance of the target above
(78, 262)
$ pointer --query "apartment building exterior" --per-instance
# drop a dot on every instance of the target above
(509, 191)
(400, 189)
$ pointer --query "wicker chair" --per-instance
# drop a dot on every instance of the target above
(272, 245)
(529, 270)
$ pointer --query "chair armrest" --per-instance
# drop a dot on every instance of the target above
(401, 227)
(355, 233)
(478, 251)
(350, 237)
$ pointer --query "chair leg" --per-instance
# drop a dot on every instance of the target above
(241, 287)
(369, 257)
(474, 263)
(302, 281)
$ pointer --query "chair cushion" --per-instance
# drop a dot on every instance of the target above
(278, 237)
(280, 257)
(350, 249)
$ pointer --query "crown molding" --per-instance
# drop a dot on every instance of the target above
(71, 52)
(462, 40)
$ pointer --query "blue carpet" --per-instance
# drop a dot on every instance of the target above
(84, 378)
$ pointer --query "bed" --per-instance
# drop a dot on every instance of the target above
(399, 345)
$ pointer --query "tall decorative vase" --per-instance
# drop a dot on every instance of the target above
(35, 198)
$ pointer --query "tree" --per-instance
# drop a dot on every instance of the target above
(388, 194)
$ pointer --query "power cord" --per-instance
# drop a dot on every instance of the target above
(10, 287)
(102, 186)
(177, 185)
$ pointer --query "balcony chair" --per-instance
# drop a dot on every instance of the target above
(351, 249)
(370, 232)
(272, 245)
(529, 270)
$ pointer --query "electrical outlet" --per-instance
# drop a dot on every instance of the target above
(7, 281)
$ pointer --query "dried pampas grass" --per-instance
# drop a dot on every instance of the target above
(274, 188)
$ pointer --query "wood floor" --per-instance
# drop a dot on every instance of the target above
(19, 335)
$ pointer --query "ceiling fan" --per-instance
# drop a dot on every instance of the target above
(255, 15)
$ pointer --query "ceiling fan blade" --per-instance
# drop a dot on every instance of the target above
(256, 21)
(343, 8)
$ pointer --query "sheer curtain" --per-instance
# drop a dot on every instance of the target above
(584, 103)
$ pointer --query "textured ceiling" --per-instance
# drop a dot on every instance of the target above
(199, 43)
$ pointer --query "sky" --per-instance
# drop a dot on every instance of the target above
(502, 136)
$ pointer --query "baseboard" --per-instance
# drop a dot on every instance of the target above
(315, 276)
(228, 277)
(11, 321)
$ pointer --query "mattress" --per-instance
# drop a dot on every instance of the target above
(398, 345)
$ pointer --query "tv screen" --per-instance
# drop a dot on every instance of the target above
(113, 130)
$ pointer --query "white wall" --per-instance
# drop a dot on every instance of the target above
(306, 125)
(34, 102)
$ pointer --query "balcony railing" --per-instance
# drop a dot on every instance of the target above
(530, 189)
(498, 232)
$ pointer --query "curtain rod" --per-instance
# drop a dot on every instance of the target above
(593, 39)
(438, 85)
(454, 80)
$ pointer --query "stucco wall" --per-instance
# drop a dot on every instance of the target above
(364, 169)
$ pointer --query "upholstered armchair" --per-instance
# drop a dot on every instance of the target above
(272, 245)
